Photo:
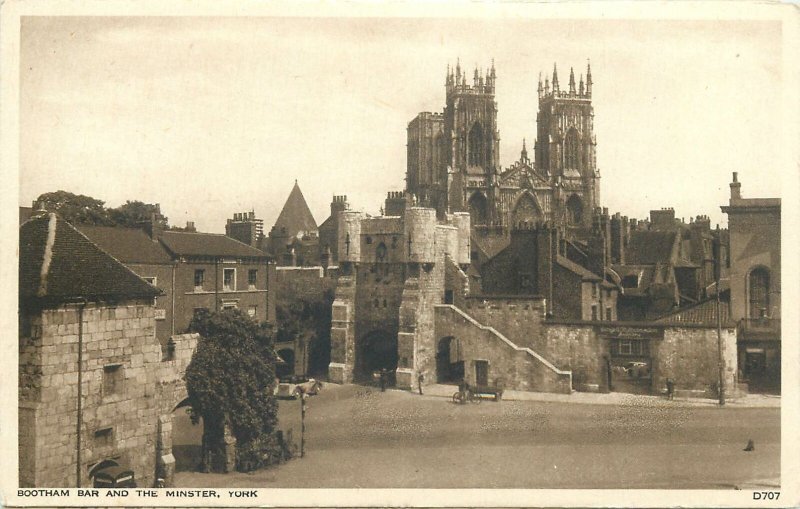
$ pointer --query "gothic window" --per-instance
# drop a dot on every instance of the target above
(380, 252)
(478, 208)
(526, 211)
(574, 211)
(476, 145)
(758, 289)
(571, 150)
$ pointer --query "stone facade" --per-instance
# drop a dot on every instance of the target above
(453, 157)
(127, 393)
(391, 274)
(755, 285)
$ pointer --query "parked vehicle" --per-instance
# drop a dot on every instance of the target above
(637, 369)
(293, 390)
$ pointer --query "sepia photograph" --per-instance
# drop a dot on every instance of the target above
(400, 249)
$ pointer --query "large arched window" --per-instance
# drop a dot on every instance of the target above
(478, 208)
(571, 150)
(526, 211)
(758, 293)
(574, 211)
(476, 145)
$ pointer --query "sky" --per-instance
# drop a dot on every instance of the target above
(212, 116)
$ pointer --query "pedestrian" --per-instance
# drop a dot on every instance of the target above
(383, 379)
(420, 379)
(670, 389)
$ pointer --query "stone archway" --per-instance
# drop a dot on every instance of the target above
(478, 208)
(287, 368)
(449, 366)
(375, 351)
(187, 438)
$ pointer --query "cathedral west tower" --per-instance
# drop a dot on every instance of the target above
(565, 149)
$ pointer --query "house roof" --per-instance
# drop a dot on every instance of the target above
(128, 245)
(702, 313)
(58, 262)
(577, 269)
(650, 247)
(206, 244)
(295, 216)
(25, 213)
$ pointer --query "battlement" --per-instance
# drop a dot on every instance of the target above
(524, 226)
(551, 90)
(483, 81)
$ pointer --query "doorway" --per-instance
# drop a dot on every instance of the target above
(482, 373)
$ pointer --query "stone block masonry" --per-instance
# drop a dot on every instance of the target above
(126, 390)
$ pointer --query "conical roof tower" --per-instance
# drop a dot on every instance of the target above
(296, 217)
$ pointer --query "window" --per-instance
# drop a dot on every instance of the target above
(758, 289)
(608, 314)
(525, 281)
(476, 151)
(380, 252)
(229, 304)
(252, 311)
(384, 302)
(103, 437)
(112, 379)
(630, 281)
(629, 347)
(199, 279)
(376, 303)
(594, 290)
(197, 311)
(252, 278)
(448, 296)
(571, 150)
(369, 239)
(594, 312)
(229, 279)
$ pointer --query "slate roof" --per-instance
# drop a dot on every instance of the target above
(577, 269)
(650, 247)
(25, 213)
(295, 216)
(58, 262)
(702, 313)
(206, 244)
(128, 245)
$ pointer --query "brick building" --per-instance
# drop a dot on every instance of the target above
(193, 270)
(755, 286)
(93, 389)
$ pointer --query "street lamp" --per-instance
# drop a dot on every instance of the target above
(721, 358)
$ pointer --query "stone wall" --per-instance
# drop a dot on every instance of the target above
(120, 406)
(513, 366)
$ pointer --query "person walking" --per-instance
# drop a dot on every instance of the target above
(383, 379)
(420, 379)
(670, 389)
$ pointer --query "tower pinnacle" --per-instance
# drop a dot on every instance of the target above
(588, 78)
(555, 79)
(571, 81)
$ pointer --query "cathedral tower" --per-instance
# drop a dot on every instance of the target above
(565, 148)
(470, 122)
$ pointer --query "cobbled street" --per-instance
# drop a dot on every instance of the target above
(359, 437)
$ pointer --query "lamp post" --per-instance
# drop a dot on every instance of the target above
(721, 359)
(303, 397)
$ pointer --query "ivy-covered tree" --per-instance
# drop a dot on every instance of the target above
(229, 382)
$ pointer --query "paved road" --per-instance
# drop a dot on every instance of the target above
(360, 437)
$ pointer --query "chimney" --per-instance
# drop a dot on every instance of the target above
(154, 227)
(736, 187)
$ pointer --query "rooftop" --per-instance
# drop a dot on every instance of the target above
(58, 262)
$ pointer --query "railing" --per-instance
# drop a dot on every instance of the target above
(759, 328)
